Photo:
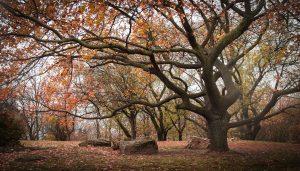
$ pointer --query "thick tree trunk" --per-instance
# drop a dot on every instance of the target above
(217, 134)
(161, 136)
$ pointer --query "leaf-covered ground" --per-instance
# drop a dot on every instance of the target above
(244, 155)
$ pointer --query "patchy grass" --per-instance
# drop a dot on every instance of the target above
(244, 155)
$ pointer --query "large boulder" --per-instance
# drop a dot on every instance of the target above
(95, 143)
(197, 143)
(142, 146)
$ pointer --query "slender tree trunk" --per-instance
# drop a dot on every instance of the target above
(97, 129)
(133, 128)
(31, 136)
(124, 129)
(36, 126)
(165, 135)
(256, 129)
(249, 132)
(217, 134)
(180, 135)
(30, 133)
(68, 137)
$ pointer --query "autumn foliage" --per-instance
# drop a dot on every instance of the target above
(150, 68)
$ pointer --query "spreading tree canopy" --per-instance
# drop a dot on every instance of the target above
(196, 48)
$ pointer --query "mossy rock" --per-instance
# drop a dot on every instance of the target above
(30, 158)
(142, 146)
(96, 143)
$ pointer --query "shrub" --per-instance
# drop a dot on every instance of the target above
(11, 127)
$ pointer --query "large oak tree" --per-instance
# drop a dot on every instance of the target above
(159, 36)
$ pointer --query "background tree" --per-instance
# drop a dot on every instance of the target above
(11, 125)
(29, 106)
(61, 126)
(158, 115)
(270, 70)
(179, 124)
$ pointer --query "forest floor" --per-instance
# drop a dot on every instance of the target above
(244, 155)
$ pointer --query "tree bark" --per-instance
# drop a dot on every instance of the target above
(249, 132)
(165, 135)
(255, 131)
(97, 129)
(217, 134)
(180, 135)
(161, 136)
(133, 128)
(124, 129)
